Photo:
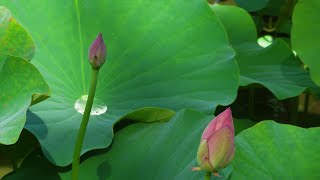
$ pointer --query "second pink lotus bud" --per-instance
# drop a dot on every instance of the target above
(216, 149)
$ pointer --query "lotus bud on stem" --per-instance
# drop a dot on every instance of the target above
(216, 149)
(97, 57)
(97, 52)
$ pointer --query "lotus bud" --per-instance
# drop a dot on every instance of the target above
(216, 149)
(97, 52)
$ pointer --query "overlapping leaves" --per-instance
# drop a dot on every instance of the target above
(275, 66)
(165, 150)
(21, 84)
(150, 64)
(145, 150)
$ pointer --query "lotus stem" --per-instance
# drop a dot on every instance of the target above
(84, 123)
(207, 176)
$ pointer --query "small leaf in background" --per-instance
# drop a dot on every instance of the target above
(305, 35)
(164, 60)
(270, 150)
(275, 66)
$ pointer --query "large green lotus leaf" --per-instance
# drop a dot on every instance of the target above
(275, 66)
(159, 150)
(21, 84)
(270, 150)
(14, 40)
(158, 55)
(305, 31)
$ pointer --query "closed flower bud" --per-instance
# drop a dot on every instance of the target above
(216, 149)
(97, 52)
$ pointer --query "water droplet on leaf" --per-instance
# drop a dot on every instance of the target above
(98, 107)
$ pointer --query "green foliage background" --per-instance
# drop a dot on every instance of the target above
(170, 65)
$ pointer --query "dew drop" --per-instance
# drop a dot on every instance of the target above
(98, 107)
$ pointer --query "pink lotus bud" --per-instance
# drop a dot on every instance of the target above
(97, 52)
(216, 149)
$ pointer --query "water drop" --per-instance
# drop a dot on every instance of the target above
(98, 107)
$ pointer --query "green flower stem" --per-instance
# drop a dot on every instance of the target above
(84, 123)
(207, 176)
